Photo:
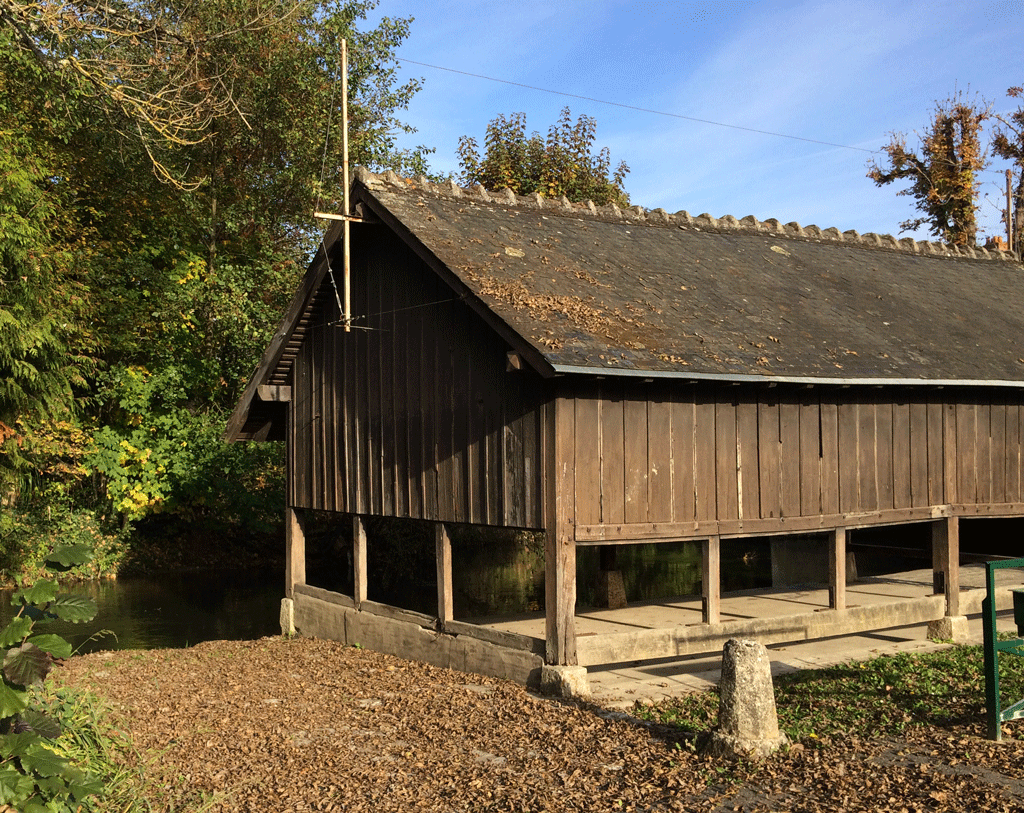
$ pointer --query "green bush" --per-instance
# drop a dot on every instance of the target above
(34, 776)
(158, 456)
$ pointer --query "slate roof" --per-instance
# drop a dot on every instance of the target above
(610, 291)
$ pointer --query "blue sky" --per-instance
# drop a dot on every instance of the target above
(847, 73)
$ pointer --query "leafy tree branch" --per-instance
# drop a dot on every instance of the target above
(562, 164)
(944, 175)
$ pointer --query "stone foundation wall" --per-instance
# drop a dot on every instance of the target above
(317, 618)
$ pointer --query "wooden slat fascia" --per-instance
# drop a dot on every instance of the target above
(667, 532)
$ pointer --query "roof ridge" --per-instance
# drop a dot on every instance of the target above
(681, 219)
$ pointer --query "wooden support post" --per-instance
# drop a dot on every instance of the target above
(295, 550)
(560, 539)
(358, 560)
(946, 562)
(443, 548)
(711, 581)
(837, 569)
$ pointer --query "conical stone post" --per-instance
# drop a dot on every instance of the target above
(748, 725)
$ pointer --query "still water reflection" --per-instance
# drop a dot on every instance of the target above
(172, 610)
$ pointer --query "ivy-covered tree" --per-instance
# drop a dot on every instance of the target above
(563, 164)
(944, 176)
(1008, 143)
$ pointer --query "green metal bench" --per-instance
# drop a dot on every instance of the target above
(993, 646)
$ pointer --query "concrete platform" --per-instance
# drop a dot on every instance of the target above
(621, 684)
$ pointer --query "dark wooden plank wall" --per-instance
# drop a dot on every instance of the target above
(417, 416)
(695, 452)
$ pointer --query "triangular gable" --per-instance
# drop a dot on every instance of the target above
(255, 417)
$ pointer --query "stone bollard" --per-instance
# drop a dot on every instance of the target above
(287, 617)
(565, 682)
(611, 590)
(748, 725)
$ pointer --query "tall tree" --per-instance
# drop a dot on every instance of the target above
(944, 177)
(47, 344)
(221, 260)
(160, 165)
(1008, 143)
(564, 164)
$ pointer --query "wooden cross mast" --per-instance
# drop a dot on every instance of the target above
(347, 216)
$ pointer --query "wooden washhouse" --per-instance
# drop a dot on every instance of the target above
(619, 376)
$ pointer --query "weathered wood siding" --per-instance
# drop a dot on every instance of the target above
(657, 460)
(412, 413)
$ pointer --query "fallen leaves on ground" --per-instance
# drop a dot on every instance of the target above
(289, 725)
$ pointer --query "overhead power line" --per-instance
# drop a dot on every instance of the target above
(634, 107)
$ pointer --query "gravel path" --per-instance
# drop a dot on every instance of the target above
(279, 725)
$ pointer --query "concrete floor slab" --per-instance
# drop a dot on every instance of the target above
(620, 685)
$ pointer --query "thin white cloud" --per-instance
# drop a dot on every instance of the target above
(833, 72)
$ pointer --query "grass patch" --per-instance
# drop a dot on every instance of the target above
(90, 743)
(132, 782)
(880, 697)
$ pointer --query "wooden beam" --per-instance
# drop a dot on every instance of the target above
(946, 562)
(358, 561)
(399, 614)
(711, 581)
(295, 550)
(837, 569)
(443, 550)
(329, 216)
(503, 638)
(673, 531)
(560, 547)
(271, 392)
(338, 599)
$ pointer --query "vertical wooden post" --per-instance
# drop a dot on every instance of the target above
(358, 560)
(443, 549)
(946, 561)
(938, 569)
(295, 550)
(560, 541)
(711, 580)
(837, 569)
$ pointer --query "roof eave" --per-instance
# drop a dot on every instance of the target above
(272, 355)
(740, 378)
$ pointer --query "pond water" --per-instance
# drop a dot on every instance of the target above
(172, 610)
(495, 576)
